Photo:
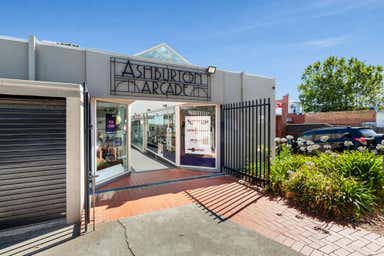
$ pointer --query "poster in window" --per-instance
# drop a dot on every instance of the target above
(198, 135)
(110, 123)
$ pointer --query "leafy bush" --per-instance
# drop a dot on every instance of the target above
(364, 166)
(284, 164)
(349, 184)
(330, 195)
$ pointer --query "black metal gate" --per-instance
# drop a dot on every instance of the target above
(246, 140)
(87, 154)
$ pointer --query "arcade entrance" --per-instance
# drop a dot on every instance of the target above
(150, 142)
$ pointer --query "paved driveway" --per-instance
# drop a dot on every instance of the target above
(183, 230)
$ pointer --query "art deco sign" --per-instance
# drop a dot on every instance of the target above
(138, 78)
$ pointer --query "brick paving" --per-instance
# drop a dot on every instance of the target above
(226, 199)
(118, 204)
(284, 224)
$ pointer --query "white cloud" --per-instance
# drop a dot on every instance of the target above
(328, 8)
(324, 42)
(313, 10)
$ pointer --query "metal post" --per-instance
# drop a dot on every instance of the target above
(222, 136)
(269, 139)
(253, 138)
(94, 200)
(86, 155)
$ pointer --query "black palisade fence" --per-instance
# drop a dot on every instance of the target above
(246, 140)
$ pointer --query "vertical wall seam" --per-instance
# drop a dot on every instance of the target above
(31, 57)
(85, 67)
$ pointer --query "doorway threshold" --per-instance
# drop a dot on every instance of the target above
(210, 175)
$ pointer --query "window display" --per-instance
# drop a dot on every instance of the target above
(198, 140)
(111, 152)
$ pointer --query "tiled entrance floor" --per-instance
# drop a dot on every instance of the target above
(141, 162)
(141, 178)
(224, 199)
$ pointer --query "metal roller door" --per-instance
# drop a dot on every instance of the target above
(32, 160)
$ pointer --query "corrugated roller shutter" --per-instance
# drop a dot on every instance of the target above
(32, 160)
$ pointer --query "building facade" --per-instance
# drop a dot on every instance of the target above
(46, 72)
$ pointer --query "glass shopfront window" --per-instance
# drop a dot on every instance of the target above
(111, 152)
(137, 130)
(161, 134)
(198, 136)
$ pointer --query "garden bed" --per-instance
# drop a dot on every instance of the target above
(346, 186)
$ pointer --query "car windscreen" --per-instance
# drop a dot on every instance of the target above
(367, 133)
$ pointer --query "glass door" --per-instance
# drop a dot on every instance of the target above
(137, 131)
(161, 133)
(111, 147)
(198, 136)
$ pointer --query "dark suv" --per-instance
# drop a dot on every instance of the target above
(359, 136)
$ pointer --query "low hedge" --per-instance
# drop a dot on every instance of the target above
(346, 185)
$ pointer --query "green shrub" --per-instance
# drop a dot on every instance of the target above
(284, 164)
(349, 184)
(330, 195)
(364, 166)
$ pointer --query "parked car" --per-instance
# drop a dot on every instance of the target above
(359, 136)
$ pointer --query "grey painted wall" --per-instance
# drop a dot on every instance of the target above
(76, 65)
(59, 64)
(13, 59)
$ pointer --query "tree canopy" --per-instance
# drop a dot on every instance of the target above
(338, 84)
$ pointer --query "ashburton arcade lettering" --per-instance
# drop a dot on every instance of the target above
(138, 78)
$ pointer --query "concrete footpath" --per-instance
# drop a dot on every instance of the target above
(184, 230)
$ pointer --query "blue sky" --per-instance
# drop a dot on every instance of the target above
(271, 38)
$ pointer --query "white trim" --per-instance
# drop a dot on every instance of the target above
(10, 38)
(178, 135)
(128, 148)
(75, 159)
(202, 168)
(39, 88)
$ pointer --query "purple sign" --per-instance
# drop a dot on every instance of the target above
(110, 123)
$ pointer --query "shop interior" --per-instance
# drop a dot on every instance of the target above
(153, 135)
(149, 136)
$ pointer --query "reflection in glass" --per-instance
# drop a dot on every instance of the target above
(137, 129)
(161, 133)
